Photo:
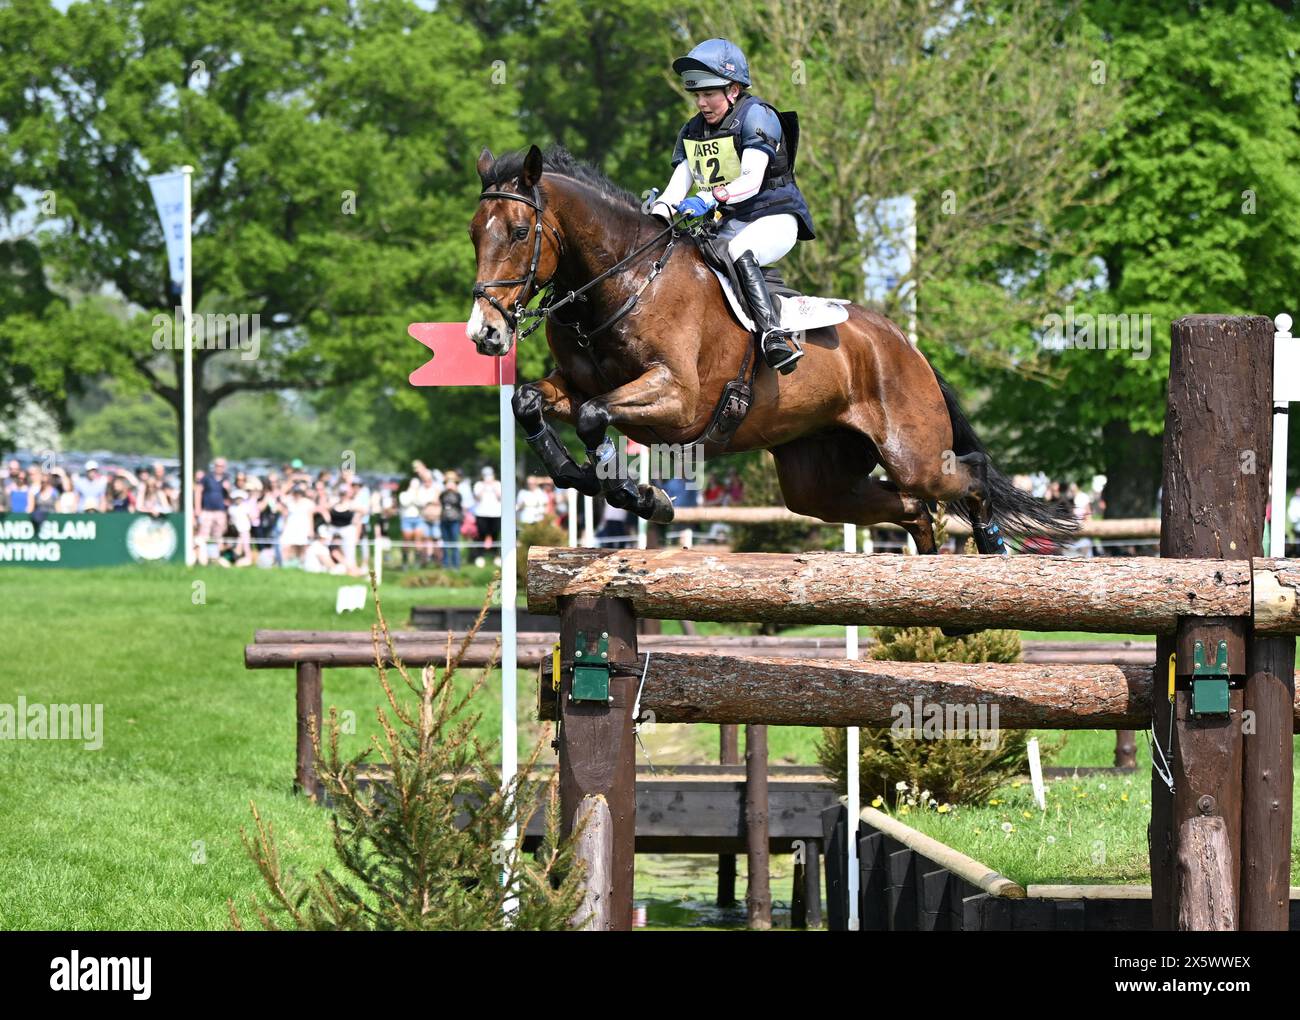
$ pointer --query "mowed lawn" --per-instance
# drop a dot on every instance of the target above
(144, 833)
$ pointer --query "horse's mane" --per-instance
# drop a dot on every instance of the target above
(556, 159)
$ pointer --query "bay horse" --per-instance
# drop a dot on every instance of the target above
(649, 344)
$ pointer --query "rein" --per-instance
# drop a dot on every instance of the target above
(548, 307)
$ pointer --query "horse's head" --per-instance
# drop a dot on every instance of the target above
(516, 257)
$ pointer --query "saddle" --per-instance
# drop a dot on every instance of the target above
(718, 258)
(795, 310)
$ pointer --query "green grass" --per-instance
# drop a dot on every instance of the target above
(1093, 831)
(144, 833)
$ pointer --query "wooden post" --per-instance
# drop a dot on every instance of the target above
(308, 708)
(1216, 451)
(1267, 784)
(812, 895)
(798, 905)
(805, 894)
(728, 754)
(598, 763)
(758, 895)
(1125, 749)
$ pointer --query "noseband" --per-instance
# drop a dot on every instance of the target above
(530, 279)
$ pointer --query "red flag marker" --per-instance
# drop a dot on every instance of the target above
(455, 362)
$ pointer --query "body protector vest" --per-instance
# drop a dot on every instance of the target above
(713, 155)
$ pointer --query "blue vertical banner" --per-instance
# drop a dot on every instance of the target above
(169, 196)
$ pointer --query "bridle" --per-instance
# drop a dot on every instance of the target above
(529, 280)
(547, 308)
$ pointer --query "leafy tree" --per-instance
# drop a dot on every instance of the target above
(334, 147)
(593, 75)
(23, 292)
(1191, 211)
(138, 424)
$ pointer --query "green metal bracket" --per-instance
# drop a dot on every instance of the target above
(591, 668)
(1209, 681)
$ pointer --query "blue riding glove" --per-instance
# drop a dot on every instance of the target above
(696, 205)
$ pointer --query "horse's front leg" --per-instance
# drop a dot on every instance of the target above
(657, 398)
(551, 396)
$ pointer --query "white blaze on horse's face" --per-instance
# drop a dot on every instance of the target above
(487, 328)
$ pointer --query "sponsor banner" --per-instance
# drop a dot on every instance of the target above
(89, 540)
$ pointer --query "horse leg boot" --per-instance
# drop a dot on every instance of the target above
(984, 529)
(564, 470)
(780, 349)
(647, 501)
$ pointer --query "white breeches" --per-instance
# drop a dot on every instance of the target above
(768, 237)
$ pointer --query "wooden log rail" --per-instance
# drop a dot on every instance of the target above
(1046, 593)
(966, 868)
(701, 687)
(309, 652)
(285, 648)
(1105, 528)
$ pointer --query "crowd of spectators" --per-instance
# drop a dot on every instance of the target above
(38, 491)
(319, 521)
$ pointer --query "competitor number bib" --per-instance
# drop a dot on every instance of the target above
(712, 162)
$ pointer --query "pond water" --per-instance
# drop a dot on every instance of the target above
(680, 891)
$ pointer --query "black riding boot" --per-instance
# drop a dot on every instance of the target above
(780, 349)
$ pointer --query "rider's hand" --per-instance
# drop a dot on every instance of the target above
(696, 205)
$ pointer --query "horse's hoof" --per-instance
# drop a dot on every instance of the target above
(661, 507)
(955, 632)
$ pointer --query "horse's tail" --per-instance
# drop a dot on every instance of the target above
(1018, 513)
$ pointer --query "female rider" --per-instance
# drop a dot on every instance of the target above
(740, 157)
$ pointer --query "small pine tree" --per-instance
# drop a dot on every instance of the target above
(421, 843)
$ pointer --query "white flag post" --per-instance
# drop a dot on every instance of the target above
(172, 197)
(642, 525)
(187, 370)
(1286, 388)
(509, 614)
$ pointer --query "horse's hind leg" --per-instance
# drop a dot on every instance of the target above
(829, 476)
(930, 470)
(984, 529)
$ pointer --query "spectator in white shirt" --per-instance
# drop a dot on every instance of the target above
(487, 507)
(91, 490)
(532, 502)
